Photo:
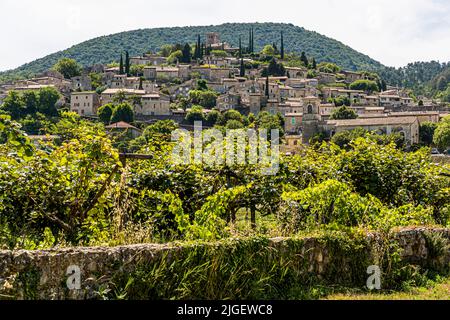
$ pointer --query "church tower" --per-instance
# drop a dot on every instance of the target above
(310, 119)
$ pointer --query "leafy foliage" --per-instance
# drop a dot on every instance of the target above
(78, 191)
(343, 113)
(442, 134)
(68, 68)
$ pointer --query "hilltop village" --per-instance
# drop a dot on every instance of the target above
(206, 80)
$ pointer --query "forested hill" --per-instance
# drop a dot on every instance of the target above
(107, 48)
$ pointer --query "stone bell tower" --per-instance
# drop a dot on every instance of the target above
(310, 119)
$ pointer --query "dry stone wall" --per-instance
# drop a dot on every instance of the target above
(44, 274)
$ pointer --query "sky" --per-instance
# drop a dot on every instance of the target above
(394, 32)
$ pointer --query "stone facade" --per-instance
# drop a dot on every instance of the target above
(84, 103)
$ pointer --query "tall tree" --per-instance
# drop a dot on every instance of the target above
(282, 46)
(127, 63)
(304, 59)
(267, 86)
(187, 57)
(197, 50)
(141, 85)
(314, 64)
(242, 70)
(121, 69)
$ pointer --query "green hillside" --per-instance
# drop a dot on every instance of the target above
(107, 48)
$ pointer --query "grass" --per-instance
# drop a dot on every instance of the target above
(438, 290)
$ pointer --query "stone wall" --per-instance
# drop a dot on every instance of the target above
(43, 274)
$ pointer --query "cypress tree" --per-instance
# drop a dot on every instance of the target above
(314, 64)
(197, 51)
(202, 51)
(186, 53)
(121, 65)
(242, 73)
(141, 85)
(267, 86)
(127, 63)
(282, 46)
(304, 59)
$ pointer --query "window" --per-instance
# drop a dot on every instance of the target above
(293, 120)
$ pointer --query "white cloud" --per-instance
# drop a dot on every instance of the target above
(394, 32)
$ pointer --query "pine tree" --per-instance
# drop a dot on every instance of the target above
(127, 63)
(282, 46)
(242, 73)
(121, 65)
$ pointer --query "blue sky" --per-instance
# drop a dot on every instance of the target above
(395, 32)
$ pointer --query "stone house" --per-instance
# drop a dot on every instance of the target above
(390, 101)
(326, 78)
(84, 103)
(331, 92)
(118, 81)
(351, 76)
(154, 104)
(161, 73)
(228, 101)
(148, 59)
(81, 83)
(296, 73)
(293, 123)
